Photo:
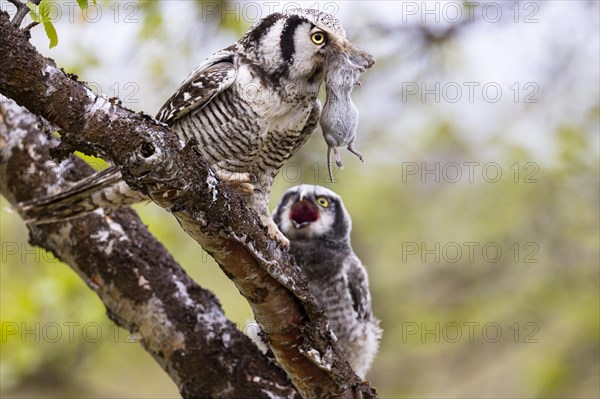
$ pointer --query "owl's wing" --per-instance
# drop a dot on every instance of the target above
(358, 285)
(210, 78)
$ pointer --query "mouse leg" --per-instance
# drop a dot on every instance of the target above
(338, 160)
(355, 152)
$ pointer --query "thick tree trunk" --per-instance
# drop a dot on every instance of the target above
(179, 180)
(143, 288)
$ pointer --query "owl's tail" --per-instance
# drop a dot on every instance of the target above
(104, 189)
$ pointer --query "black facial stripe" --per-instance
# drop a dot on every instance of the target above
(257, 33)
(283, 202)
(339, 225)
(287, 37)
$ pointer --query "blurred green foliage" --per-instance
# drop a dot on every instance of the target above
(460, 318)
(543, 303)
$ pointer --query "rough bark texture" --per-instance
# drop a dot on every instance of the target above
(179, 180)
(143, 288)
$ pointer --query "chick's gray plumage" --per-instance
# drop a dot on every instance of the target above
(318, 226)
(250, 107)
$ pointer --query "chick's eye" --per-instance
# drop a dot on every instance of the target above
(323, 202)
(318, 37)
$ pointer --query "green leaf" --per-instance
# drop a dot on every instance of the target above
(83, 4)
(31, 6)
(34, 11)
(45, 10)
(41, 14)
(51, 33)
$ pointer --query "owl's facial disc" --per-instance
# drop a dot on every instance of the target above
(304, 212)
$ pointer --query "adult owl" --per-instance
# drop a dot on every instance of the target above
(318, 226)
(250, 107)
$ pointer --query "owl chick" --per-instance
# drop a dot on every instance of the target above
(318, 226)
(339, 118)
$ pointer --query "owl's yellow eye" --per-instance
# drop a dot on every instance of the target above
(323, 202)
(318, 38)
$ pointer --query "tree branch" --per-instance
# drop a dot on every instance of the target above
(22, 11)
(180, 180)
(144, 290)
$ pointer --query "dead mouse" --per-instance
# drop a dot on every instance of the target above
(339, 118)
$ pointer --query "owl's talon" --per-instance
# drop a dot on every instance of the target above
(283, 241)
(243, 182)
(235, 177)
(274, 231)
(245, 188)
(277, 235)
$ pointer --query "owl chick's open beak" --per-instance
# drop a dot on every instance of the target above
(304, 212)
